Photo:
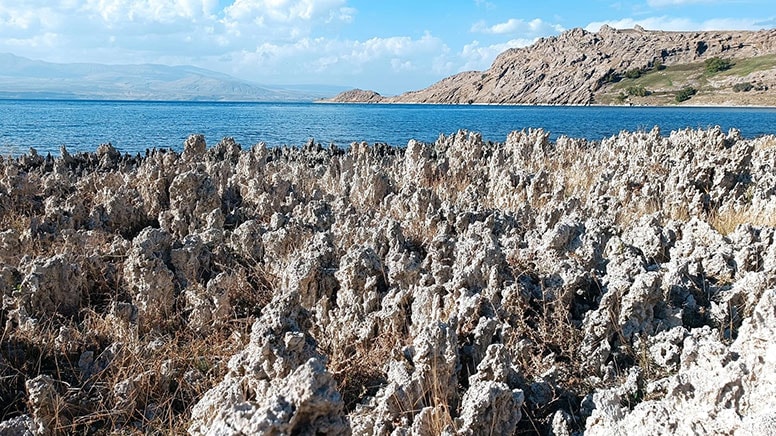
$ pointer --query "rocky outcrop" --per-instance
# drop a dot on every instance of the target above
(574, 67)
(356, 96)
(277, 385)
(459, 287)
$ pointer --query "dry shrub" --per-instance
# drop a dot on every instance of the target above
(629, 214)
(359, 369)
(545, 338)
(727, 220)
(110, 380)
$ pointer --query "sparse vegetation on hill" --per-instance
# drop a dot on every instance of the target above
(743, 87)
(723, 86)
(685, 94)
(716, 65)
(638, 91)
(634, 73)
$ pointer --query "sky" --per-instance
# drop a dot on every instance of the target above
(389, 46)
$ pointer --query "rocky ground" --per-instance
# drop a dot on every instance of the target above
(462, 287)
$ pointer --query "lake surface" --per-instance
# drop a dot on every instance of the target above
(133, 127)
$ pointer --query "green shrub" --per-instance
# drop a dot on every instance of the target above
(685, 94)
(611, 77)
(743, 87)
(634, 73)
(658, 65)
(638, 91)
(715, 65)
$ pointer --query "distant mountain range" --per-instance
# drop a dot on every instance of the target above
(26, 78)
(619, 67)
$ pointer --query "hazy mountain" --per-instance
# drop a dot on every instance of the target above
(26, 78)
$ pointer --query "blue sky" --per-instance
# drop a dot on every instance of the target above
(389, 46)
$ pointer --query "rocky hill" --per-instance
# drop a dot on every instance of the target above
(580, 67)
(358, 96)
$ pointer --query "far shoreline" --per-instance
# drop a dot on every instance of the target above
(386, 103)
(596, 105)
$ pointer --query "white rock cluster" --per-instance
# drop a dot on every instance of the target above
(461, 287)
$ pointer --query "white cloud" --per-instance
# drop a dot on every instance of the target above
(678, 24)
(267, 41)
(344, 15)
(115, 12)
(664, 3)
(27, 17)
(283, 10)
(477, 57)
(484, 4)
(372, 63)
(514, 26)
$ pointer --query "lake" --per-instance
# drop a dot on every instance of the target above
(133, 126)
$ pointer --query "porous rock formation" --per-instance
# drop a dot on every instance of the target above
(571, 68)
(458, 287)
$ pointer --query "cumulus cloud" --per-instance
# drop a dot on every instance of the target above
(372, 63)
(514, 26)
(158, 11)
(678, 24)
(480, 57)
(281, 10)
(267, 41)
(664, 3)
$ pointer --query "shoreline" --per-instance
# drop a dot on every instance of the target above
(552, 105)
(292, 102)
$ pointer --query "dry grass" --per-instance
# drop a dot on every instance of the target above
(109, 376)
(727, 220)
(359, 368)
(545, 337)
(632, 212)
(164, 376)
(360, 371)
(765, 142)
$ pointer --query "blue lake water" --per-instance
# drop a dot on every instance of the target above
(135, 126)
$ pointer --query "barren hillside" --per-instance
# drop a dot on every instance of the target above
(580, 67)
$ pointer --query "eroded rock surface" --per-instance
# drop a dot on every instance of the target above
(458, 287)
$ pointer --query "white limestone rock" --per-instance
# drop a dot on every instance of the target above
(52, 285)
(150, 281)
(277, 385)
